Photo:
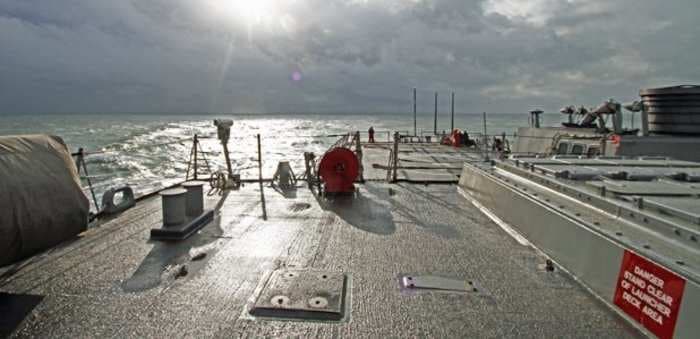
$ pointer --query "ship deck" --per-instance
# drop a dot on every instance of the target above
(113, 281)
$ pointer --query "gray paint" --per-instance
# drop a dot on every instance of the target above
(114, 282)
(580, 243)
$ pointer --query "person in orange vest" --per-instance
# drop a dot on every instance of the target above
(371, 134)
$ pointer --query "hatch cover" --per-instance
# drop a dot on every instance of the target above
(302, 294)
(432, 282)
(658, 188)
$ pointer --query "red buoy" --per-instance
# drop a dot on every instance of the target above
(338, 170)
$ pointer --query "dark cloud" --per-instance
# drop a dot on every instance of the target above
(353, 55)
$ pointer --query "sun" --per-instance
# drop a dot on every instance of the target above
(250, 11)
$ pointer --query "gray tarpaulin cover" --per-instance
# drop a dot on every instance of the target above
(41, 202)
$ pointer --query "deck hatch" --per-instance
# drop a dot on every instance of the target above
(657, 188)
(302, 294)
(432, 282)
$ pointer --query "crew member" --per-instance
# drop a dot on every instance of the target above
(497, 145)
(371, 134)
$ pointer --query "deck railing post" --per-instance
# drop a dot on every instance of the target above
(358, 151)
(435, 117)
(452, 121)
(396, 157)
(81, 163)
(195, 141)
(260, 179)
(415, 123)
(486, 141)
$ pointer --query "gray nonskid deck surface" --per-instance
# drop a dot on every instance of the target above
(114, 282)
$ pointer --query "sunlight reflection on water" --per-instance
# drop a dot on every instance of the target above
(140, 149)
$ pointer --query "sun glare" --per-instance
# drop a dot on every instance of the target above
(250, 11)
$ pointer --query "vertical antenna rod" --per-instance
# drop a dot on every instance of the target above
(195, 141)
(415, 129)
(435, 124)
(486, 141)
(452, 123)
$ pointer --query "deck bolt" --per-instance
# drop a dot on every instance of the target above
(549, 265)
(279, 301)
(318, 302)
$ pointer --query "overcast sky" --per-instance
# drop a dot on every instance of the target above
(339, 55)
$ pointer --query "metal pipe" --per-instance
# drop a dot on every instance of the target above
(228, 160)
(435, 124)
(645, 120)
(260, 177)
(617, 119)
(194, 148)
(415, 125)
(358, 151)
(395, 164)
(452, 122)
(81, 161)
(486, 154)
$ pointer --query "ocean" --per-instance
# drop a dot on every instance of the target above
(150, 151)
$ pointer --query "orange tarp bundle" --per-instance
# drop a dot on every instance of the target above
(454, 139)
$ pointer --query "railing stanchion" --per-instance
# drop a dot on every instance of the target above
(260, 179)
(194, 146)
(80, 162)
(396, 157)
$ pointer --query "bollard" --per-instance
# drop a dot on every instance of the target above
(174, 202)
(194, 200)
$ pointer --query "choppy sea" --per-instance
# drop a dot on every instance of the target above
(150, 151)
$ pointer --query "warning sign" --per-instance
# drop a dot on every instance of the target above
(649, 293)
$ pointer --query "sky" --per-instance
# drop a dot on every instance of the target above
(250, 56)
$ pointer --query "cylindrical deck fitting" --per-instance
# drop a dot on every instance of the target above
(174, 202)
(195, 198)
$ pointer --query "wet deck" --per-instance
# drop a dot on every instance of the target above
(114, 282)
(417, 162)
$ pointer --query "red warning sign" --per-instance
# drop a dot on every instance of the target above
(649, 293)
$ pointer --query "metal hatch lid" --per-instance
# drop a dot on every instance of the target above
(684, 208)
(302, 294)
(656, 188)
